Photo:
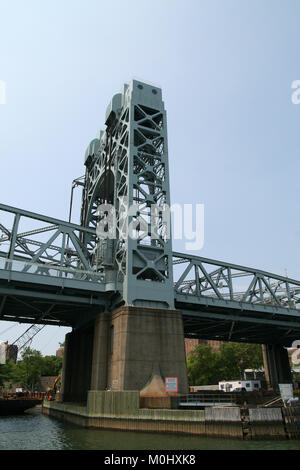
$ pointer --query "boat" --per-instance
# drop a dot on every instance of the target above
(14, 405)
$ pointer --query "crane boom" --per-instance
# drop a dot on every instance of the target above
(27, 336)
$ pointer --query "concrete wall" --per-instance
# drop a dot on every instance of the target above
(223, 422)
(113, 403)
(266, 423)
(101, 352)
(77, 365)
(120, 410)
(122, 350)
(276, 365)
(143, 339)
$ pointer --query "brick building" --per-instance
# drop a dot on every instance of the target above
(60, 352)
(12, 352)
(191, 343)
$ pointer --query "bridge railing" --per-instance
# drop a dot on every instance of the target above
(47, 269)
(36, 244)
(199, 277)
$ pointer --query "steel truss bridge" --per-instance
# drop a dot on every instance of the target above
(47, 278)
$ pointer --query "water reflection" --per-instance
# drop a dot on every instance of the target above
(34, 431)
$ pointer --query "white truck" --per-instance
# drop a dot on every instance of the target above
(239, 385)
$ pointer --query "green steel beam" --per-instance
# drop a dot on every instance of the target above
(240, 318)
(45, 218)
(195, 259)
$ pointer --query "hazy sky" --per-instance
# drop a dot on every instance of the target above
(225, 67)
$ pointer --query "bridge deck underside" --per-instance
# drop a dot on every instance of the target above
(66, 306)
(213, 323)
(36, 299)
(50, 305)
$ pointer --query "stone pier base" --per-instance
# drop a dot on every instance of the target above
(122, 351)
(121, 411)
(144, 341)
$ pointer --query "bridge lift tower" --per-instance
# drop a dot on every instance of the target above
(127, 173)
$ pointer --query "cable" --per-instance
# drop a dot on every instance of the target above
(51, 339)
(9, 328)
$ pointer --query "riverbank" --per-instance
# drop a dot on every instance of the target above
(121, 411)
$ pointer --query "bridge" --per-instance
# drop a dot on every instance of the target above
(115, 292)
(44, 276)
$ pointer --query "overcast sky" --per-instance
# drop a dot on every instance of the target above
(226, 68)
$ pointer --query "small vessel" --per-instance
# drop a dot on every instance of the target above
(14, 404)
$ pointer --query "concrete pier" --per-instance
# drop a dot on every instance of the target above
(121, 351)
(145, 339)
(102, 340)
(122, 411)
(77, 365)
(276, 365)
(114, 371)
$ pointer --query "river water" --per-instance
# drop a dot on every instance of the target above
(34, 431)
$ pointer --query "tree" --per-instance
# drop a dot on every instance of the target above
(7, 371)
(202, 365)
(28, 370)
(51, 365)
(207, 366)
(236, 357)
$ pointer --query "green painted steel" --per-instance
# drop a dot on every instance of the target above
(62, 273)
(127, 167)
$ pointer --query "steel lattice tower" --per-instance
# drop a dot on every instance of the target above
(127, 166)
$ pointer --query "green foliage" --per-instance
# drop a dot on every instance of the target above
(7, 371)
(202, 365)
(207, 366)
(236, 357)
(29, 369)
(51, 365)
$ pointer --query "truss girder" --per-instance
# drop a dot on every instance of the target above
(54, 251)
(201, 279)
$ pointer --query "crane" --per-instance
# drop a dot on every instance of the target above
(27, 336)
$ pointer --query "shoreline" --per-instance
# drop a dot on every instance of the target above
(121, 411)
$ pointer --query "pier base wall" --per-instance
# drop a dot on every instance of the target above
(266, 423)
(121, 410)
